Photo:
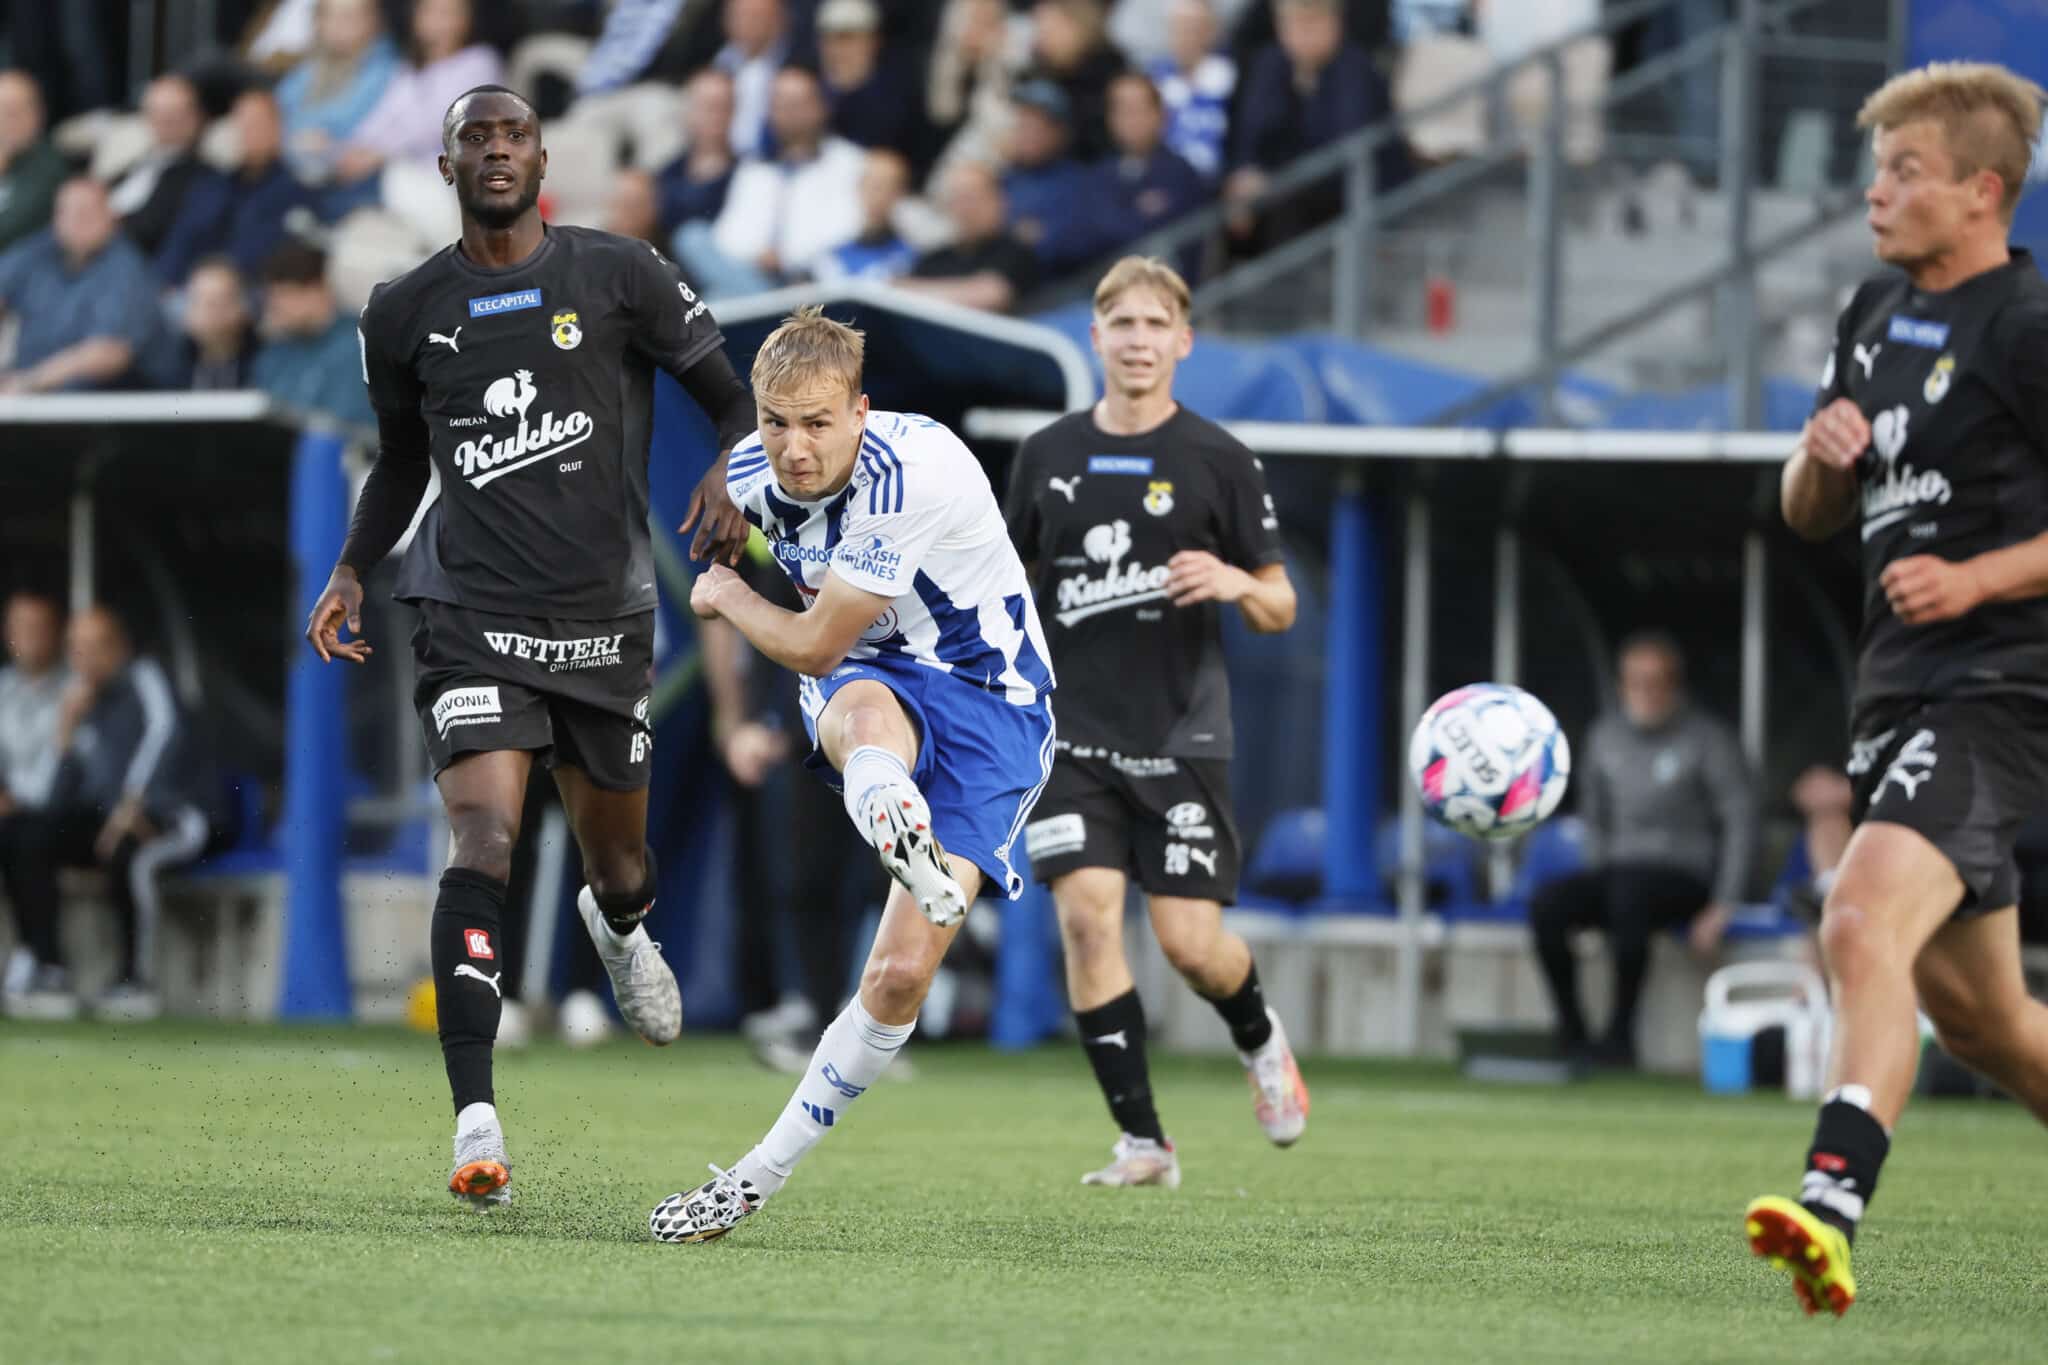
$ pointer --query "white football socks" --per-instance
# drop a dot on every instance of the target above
(852, 1056)
(481, 1114)
(869, 769)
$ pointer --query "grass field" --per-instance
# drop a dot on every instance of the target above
(190, 1193)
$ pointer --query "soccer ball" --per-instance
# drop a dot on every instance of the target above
(1489, 761)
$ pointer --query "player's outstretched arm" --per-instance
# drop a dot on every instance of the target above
(721, 529)
(812, 642)
(1817, 491)
(1263, 596)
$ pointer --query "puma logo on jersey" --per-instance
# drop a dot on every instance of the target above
(464, 969)
(446, 339)
(1064, 486)
(1866, 356)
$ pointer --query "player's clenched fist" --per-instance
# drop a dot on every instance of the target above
(1923, 589)
(1838, 434)
(711, 587)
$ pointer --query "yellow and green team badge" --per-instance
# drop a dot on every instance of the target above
(1159, 497)
(565, 331)
(1938, 379)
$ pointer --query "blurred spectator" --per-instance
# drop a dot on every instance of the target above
(326, 97)
(985, 267)
(1071, 48)
(757, 46)
(1822, 796)
(32, 689)
(1144, 184)
(634, 209)
(874, 97)
(1045, 187)
(1307, 90)
(967, 82)
(216, 346)
(1196, 83)
(782, 212)
(31, 168)
(309, 356)
(879, 253)
(1415, 20)
(442, 59)
(633, 34)
(84, 296)
(129, 797)
(147, 198)
(1666, 800)
(241, 213)
(280, 34)
(694, 185)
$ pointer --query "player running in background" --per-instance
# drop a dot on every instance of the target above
(1140, 520)
(924, 685)
(519, 362)
(1931, 430)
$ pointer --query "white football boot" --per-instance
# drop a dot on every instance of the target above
(899, 825)
(1279, 1095)
(706, 1213)
(1139, 1161)
(482, 1177)
(649, 999)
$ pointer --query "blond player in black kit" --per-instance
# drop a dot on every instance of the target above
(1139, 522)
(519, 362)
(1930, 436)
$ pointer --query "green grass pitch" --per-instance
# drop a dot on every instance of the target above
(205, 1194)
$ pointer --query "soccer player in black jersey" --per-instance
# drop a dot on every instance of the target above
(1930, 433)
(1138, 520)
(519, 362)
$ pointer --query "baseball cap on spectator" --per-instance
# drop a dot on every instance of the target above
(1044, 96)
(849, 16)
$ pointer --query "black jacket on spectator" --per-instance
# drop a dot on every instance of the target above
(180, 368)
(1002, 253)
(684, 200)
(149, 225)
(134, 739)
(238, 214)
(1131, 197)
(1275, 123)
(885, 111)
(1087, 90)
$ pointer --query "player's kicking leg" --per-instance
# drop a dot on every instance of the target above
(866, 735)
(611, 831)
(1894, 890)
(483, 793)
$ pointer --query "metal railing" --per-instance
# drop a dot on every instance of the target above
(1335, 265)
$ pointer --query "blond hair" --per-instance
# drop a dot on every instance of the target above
(809, 346)
(1143, 272)
(1989, 116)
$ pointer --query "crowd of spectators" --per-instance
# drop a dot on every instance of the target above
(974, 149)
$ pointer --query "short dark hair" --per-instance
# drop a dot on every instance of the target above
(217, 260)
(295, 263)
(1662, 641)
(448, 117)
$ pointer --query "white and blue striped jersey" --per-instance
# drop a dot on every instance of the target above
(917, 524)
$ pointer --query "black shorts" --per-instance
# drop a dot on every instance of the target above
(1964, 772)
(1165, 820)
(571, 692)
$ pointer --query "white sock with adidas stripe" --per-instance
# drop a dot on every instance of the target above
(852, 1055)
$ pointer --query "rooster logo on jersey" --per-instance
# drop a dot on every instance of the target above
(510, 395)
(1119, 585)
(1108, 543)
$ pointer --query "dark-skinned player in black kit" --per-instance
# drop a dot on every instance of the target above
(1930, 435)
(519, 362)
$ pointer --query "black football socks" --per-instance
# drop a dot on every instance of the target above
(1244, 1011)
(1849, 1147)
(468, 979)
(1113, 1036)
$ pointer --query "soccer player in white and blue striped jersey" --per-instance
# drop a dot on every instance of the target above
(925, 685)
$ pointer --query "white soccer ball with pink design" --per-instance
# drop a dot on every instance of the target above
(1489, 761)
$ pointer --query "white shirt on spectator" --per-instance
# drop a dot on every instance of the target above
(800, 209)
(1511, 32)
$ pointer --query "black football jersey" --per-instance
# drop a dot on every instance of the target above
(1097, 517)
(536, 382)
(1954, 387)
